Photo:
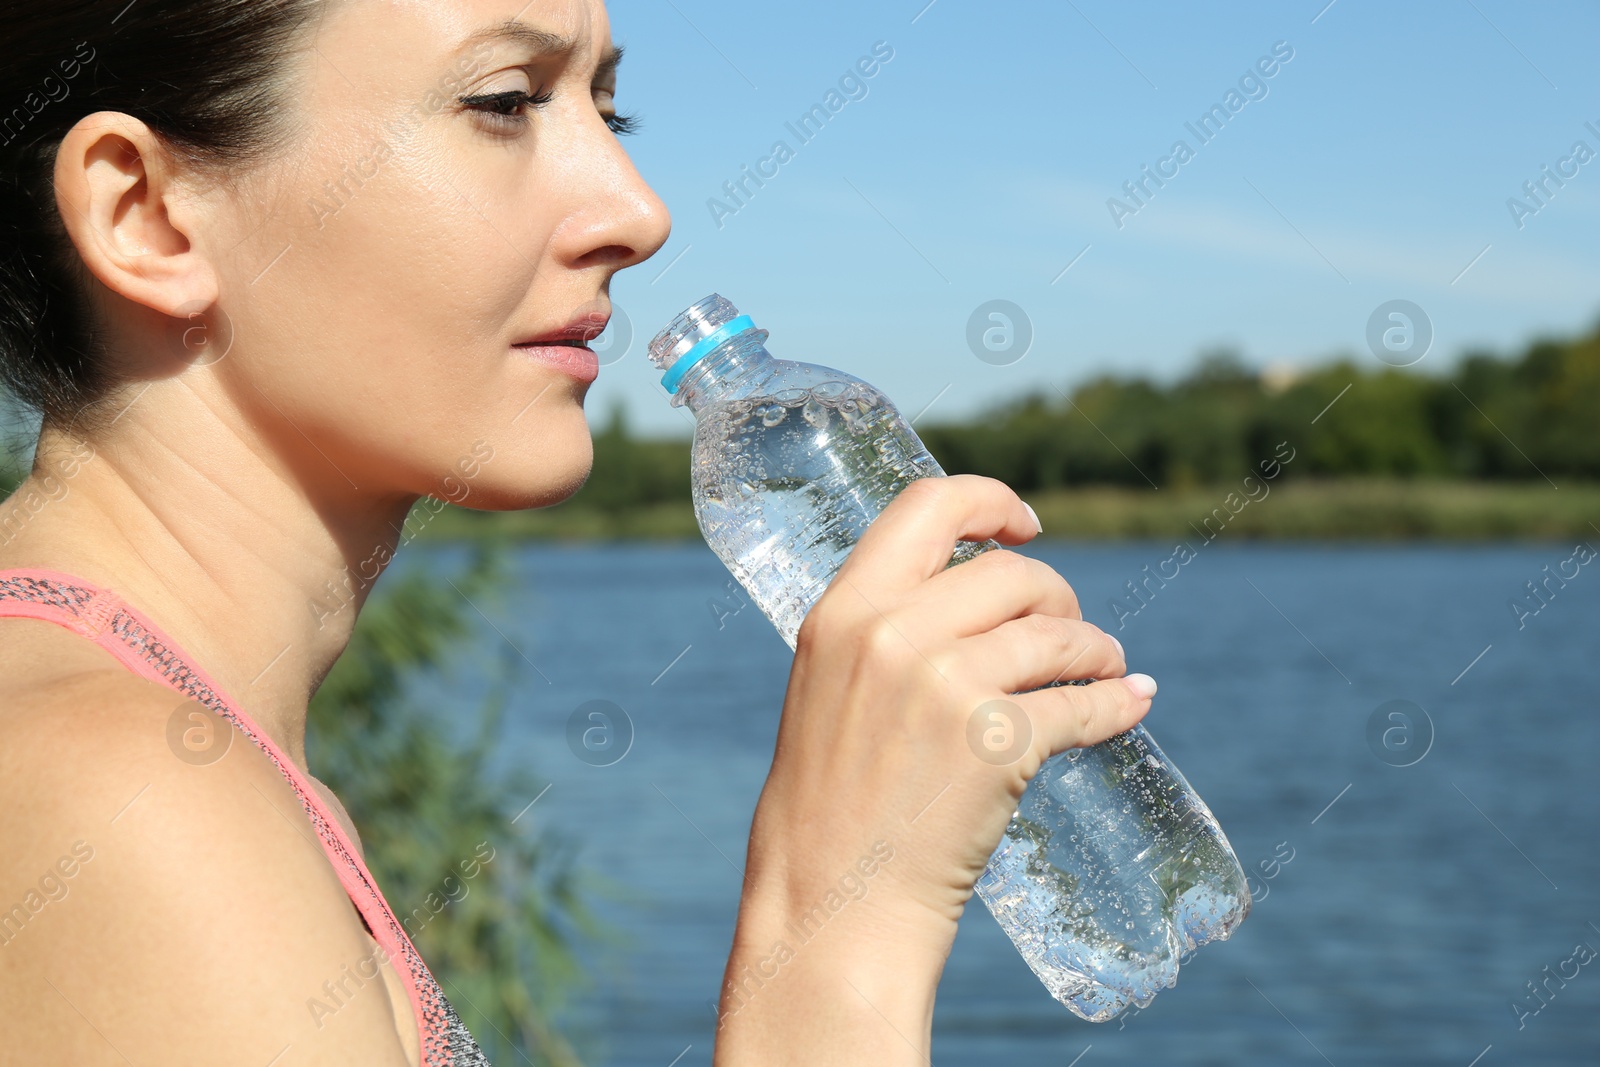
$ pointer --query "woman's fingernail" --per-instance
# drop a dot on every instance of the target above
(1143, 686)
(1120, 651)
(1034, 515)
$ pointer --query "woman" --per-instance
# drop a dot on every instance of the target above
(273, 270)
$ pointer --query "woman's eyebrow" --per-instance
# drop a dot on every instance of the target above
(541, 43)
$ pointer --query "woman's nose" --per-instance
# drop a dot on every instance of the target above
(621, 219)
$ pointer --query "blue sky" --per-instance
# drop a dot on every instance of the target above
(979, 162)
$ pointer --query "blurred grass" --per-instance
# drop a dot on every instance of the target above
(1343, 509)
(499, 909)
(1333, 509)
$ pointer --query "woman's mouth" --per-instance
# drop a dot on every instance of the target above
(572, 357)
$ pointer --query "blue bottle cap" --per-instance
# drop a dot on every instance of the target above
(703, 348)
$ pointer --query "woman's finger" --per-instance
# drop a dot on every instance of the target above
(1071, 716)
(992, 589)
(913, 538)
(1037, 650)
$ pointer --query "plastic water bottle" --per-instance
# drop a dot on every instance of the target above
(1112, 869)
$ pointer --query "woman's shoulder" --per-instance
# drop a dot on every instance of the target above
(70, 714)
(74, 722)
(145, 839)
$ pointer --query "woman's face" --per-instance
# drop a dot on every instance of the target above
(386, 266)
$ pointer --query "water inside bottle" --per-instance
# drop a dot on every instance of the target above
(1112, 867)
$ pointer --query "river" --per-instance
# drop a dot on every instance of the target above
(1437, 863)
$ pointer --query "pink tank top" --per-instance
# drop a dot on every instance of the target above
(136, 641)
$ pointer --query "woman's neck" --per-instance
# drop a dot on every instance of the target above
(256, 569)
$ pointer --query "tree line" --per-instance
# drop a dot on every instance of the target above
(1488, 417)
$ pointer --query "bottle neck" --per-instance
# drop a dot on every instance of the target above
(731, 366)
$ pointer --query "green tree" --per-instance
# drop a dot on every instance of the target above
(425, 795)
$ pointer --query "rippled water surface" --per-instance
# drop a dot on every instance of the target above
(1407, 774)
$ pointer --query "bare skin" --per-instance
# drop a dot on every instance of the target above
(344, 366)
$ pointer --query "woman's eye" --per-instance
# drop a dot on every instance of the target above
(507, 108)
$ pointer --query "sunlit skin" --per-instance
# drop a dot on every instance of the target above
(266, 481)
(370, 347)
(307, 349)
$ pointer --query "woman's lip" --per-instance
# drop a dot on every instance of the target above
(580, 363)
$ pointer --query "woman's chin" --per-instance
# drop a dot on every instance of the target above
(488, 465)
(502, 491)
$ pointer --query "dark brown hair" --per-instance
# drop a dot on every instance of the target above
(205, 75)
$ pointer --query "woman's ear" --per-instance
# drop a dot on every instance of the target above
(130, 215)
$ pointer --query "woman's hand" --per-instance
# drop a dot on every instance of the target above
(907, 738)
